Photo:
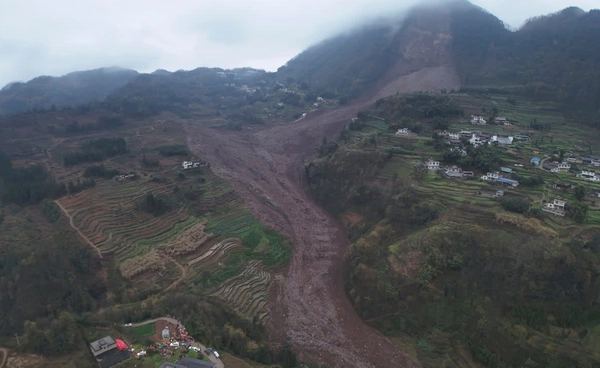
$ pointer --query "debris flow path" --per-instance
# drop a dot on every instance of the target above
(308, 307)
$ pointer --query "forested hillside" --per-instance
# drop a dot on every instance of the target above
(552, 57)
(73, 89)
(448, 271)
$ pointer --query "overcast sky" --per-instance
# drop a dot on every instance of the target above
(41, 37)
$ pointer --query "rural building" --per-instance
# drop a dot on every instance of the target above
(507, 182)
(501, 139)
(522, 137)
(564, 167)
(404, 132)
(562, 186)
(454, 135)
(468, 173)
(499, 193)
(465, 133)
(166, 334)
(591, 160)
(588, 175)
(103, 345)
(535, 161)
(192, 165)
(109, 351)
(432, 165)
(478, 120)
(453, 172)
(501, 120)
(556, 207)
(506, 170)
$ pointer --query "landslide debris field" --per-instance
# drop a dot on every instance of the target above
(308, 308)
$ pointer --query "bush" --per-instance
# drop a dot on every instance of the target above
(514, 205)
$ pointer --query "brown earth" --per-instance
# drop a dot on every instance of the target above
(308, 307)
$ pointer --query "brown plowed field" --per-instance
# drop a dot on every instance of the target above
(309, 309)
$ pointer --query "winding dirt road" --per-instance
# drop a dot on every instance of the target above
(309, 308)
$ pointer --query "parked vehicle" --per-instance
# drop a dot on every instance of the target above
(207, 351)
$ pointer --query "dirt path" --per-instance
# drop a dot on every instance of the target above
(183, 272)
(309, 309)
(87, 240)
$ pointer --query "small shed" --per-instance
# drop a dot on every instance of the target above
(535, 161)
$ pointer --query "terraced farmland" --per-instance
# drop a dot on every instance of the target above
(247, 292)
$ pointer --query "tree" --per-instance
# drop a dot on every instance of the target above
(579, 192)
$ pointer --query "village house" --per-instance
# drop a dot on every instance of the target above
(453, 135)
(591, 160)
(556, 207)
(109, 352)
(499, 193)
(320, 99)
(453, 172)
(501, 139)
(404, 132)
(564, 167)
(506, 170)
(535, 161)
(491, 176)
(192, 165)
(522, 137)
(501, 120)
(476, 140)
(588, 175)
(432, 165)
(466, 133)
(507, 182)
(478, 120)
(562, 186)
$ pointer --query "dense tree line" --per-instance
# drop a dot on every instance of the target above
(173, 150)
(27, 185)
(99, 171)
(96, 150)
(41, 278)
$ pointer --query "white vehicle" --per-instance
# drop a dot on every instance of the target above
(195, 348)
(127, 325)
(143, 352)
(216, 354)
(174, 344)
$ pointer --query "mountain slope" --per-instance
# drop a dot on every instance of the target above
(72, 89)
(551, 57)
(373, 58)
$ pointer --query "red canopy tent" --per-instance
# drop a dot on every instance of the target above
(121, 345)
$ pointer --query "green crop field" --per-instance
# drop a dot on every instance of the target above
(144, 331)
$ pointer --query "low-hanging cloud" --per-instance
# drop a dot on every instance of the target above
(39, 37)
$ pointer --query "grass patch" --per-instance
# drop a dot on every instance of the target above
(144, 331)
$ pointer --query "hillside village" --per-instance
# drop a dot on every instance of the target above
(575, 168)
